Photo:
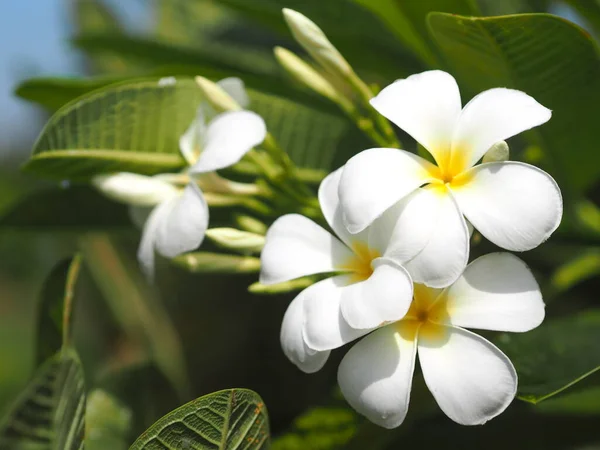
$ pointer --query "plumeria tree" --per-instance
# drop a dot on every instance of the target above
(339, 208)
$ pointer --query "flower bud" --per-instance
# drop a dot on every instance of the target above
(280, 288)
(497, 152)
(204, 262)
(217, 96)
(134, 189)
(251, 224)
(314, 41)
(237, 240)
(305, 74)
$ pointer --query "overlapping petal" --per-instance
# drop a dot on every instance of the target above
(426, 106)
(228, 138)
(496, 292)
(292, 340)
(446, 254)
(324, 325)
(492, 116)
(471, 380)
(515, 205)
(296, 246)
(375, 179)
(376, 374)
(132, 188)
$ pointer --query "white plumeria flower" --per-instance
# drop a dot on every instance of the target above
(515, 205)
(368, 287)
(471, 379)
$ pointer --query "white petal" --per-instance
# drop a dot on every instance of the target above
(376, 374)
(383, 297)
(292, 341)
(228, 138)
(134, 189)
(514, 205)
(426, 106)
(191, 142)
(492, 116)
(471, 380)
(402, 231)
(139, 215)
(236, 89)
(496, 292)
(446, 254)
(296, 246)
(376, 179)
(183, 227)
(145, 253)
(324, 326)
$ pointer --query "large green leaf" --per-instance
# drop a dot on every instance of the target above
(55, 313)
(550, 59)
(589, 9)
(555, 355)
(407, 20)
(107, 422)
(49, 414)
(136, 127)
(225, 420)
(76, 208)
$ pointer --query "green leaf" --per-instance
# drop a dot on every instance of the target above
(131, 127)
(584, 266)
(590, 11)
(205, 262)
(554, 356)
(225, 420)
(49, 414)
(107, 422)
(407, 20)
(55, 316)
(75, 208)
(584, 402)
(550, 59)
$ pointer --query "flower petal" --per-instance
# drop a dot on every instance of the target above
(496, 292)
(383, 297)
(426, 106)
(135, 189)
(376, 374)
(228, 138)
(402, 231)
(183, 227)
(190, 142)
(514, 205)
(492, 116)
(236, 89)
(324, 326)
(471, 379)
(446, 254)
(376, 179)
(292, 341)
(296, 246)
(145, 253)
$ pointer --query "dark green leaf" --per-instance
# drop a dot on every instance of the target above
(107, 422)
(548, 58)
(589, 10)
(73, 208)
(55, 313)
(224, 420)
(49, 414)
(555, 355)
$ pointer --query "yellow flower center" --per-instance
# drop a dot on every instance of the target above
(360, 264)
(451, 170)
(426, 315)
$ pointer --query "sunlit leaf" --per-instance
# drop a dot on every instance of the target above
(49, 414)
(107, 422)
(550, 59)
(554, 356)
(55, 314)
(225, 420)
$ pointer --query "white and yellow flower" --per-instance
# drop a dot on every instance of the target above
(470, 378)
(368, 286)
(515, 205)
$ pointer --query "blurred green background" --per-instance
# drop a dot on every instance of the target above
(159, 346)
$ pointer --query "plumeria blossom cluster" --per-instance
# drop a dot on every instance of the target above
(172, 208)
(396, 269)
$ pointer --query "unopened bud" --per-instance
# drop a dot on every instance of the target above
(305, 74)
(497, 152)
(314, 41)
(134, 189)
(232, 239)
(251, 224)
(217, 96)
(280, 288)
(204, 262)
